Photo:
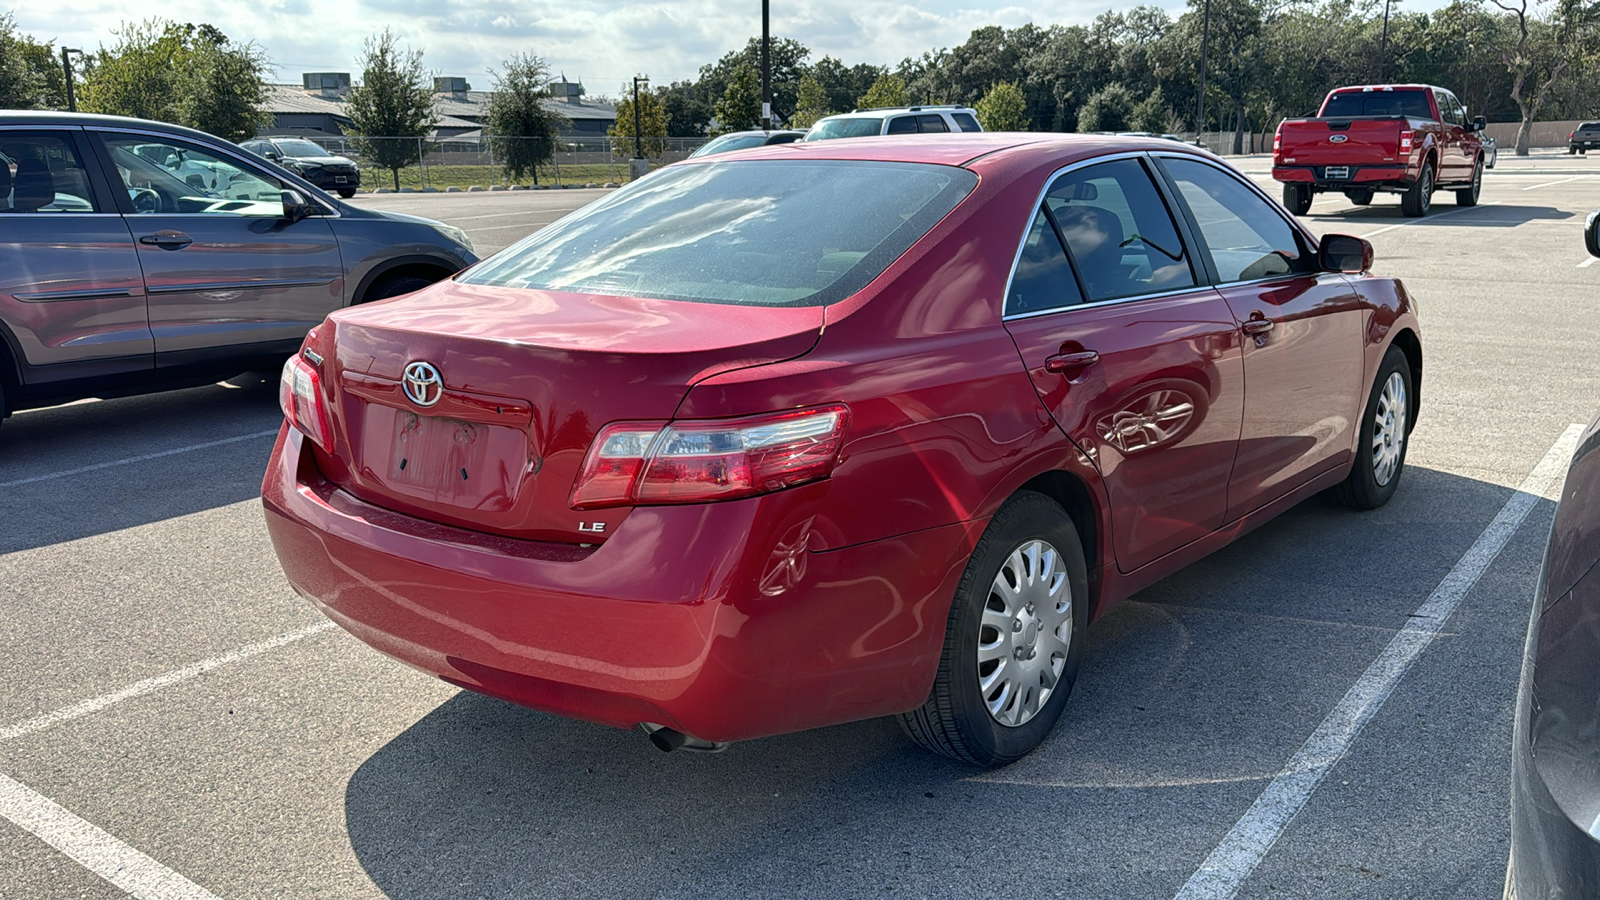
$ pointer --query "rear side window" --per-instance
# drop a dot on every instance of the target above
(966, 122)
(1245, 236)
(902, 125)
(1411, 103)
(1119, 232)
(40, 172)
(1043, 279)
(747, 233)
(932, 124)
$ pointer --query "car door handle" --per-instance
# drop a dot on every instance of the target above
(1065, 363)
(1257, 326)
(167, 240)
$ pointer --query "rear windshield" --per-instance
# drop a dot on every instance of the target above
(1589, 126)
(1413, 104)
(861, 126)
(747, 233)
(731, 142)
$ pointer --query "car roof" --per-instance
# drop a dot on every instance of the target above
(956, 149)
(91, 120)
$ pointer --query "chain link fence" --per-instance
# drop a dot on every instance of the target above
(478, 163)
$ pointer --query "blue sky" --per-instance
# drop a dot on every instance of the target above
(601, 43)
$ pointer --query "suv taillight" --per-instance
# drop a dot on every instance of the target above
(300, 396)
(1405, 142)
(645, 463)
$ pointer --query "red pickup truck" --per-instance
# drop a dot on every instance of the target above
(1407, 139)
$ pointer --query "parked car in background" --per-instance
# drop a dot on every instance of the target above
(1555, 761)
(895, 120)
(1491, 151)
(744, 140)
(311, 161)
(136, 256)
(1407, 139)
(768, 442)
(1584, 138)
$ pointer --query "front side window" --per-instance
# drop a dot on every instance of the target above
(746, 232)
(1118, 230)
(164, 176)
(1246, 237)
(40, 172)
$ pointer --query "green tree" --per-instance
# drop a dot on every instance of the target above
(687, 110)
(1151, 113)
(1003, 108)
(393, 105)
(740, 106)
(843, 85)
(521, 126)
(1108, 110)
(652, 125)
(185, 74)
(1540, 50)
(813, 103)
(19, 86)
(788, 57)
(887, 91)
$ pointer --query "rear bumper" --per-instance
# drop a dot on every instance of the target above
(712, 619)
(1374, 177)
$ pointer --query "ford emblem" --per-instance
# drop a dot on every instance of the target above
(1338, 139)
(422, 383)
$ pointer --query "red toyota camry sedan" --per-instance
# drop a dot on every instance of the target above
(797, 436)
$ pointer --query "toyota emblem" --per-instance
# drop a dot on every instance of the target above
(422, 384)
(1338, 139)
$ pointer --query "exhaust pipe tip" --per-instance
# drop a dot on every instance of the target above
(670, 739)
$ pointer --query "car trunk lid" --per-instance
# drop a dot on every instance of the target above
(526, 380)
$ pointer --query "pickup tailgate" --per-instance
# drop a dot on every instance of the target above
(1363, 141)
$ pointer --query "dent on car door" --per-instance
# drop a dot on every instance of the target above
(71, 293)
(1137, 361)
(1304, 381)
(223, 266)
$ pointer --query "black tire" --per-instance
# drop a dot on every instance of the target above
(1468, 196)
(955, 721)
(1297, 198)
(1492, 160)
(1362, 489)
(395, 286)
(347, 193)
(1416, 202)
(1360, 198)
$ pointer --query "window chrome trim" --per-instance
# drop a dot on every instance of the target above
(244, 157)
(1134, 298)
(1027, 226)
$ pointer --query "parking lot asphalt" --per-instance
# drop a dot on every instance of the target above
(176, 723)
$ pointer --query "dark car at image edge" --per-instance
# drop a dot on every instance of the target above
(139, 256)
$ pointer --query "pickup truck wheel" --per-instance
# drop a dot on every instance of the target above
(1385, 430)
(1297, 198)
(1013, 640)
(1417, 201)
(1360, 198)
(1468, 196)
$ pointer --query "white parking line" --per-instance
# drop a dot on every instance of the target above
(156, 683)
(137, 459)
(1589, 262)
(1452, 212)
(92, 847)
(1535, 187)
(1247, 843)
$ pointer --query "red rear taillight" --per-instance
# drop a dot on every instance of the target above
(1405, 142)
(642, 463)
(1277, 142)
(300, 396)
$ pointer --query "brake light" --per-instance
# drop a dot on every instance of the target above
(646, 463)
(1405, 142)
(1277, 142)
(300, 397)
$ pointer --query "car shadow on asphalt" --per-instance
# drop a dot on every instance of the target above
(84, 469)
(1192, 695)
(1498, 215)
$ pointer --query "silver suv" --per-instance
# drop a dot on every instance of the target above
(895, 120)
(137, 256)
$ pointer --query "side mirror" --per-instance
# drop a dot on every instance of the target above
(1479, 123)
(296, 206)
(1343, 253)
(1591, 233)
(273, 155)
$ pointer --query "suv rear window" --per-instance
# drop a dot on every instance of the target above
(746, 233)
(1411, 103)
(856, 126)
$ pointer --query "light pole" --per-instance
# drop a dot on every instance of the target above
(1205, 39)
(638, 140)
(1383, 46)
(766, 67)
(66, 63)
